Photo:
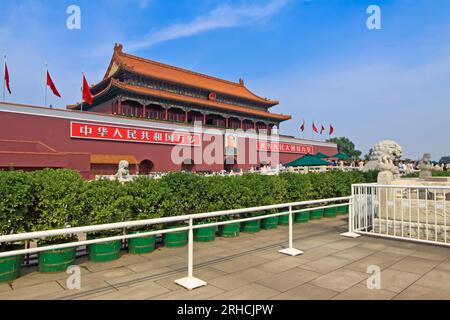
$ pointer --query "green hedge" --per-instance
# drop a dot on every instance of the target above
(434, 173)
(53, 199)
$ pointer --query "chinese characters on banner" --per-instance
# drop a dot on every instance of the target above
(105, 132)
(284, 147)
(127, 134)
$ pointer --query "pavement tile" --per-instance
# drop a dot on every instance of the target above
(135, 277)
(398, 250)
(395, 280)
(354, 253)
(433, 253)
(317, 253)
(415, 265)
(144, 290)
(436, 279)
(239, 279)
(155, 264)
(205, 274)
(306, 292)
(309, 244)
(373, 245)
(250, 267)
(197, 294)
(361, 292)
(35, 292)
(342, 244)
(418, 292)
(339, 280)
(248, 292)
(125, 259)
(283, 263)
(381, 261)
(238, 264)
(326, 264)
(444, 265)
(5, 287)
(35, 277)
(288, 279)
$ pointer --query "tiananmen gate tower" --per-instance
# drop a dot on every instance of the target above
(141, 110)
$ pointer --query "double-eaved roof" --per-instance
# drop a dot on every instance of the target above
(147, 68)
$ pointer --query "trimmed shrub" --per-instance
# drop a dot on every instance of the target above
(57, 202)
(16, 203)
(106, 202)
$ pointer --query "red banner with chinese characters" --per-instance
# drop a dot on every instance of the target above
(80, 130)
(284, 147)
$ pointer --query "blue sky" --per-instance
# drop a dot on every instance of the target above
(316, 57)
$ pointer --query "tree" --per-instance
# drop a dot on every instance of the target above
(445, 160)
(345, 145)
(368, 155)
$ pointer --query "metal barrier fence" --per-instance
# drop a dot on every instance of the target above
(408, 212)
(189, 282)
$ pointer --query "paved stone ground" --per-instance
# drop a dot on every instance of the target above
(250, 267)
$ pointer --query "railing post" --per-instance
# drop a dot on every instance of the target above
(351, 214)
(291, 251)
(190, 282)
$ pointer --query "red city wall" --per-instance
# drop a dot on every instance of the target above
(75, 153)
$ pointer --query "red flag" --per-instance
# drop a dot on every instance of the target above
(322, 129)
(315, 128)
(52, 85)
(87, 94)
(331, 129)
(302, 127)
(7, 78)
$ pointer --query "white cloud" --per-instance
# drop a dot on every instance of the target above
(224, 16)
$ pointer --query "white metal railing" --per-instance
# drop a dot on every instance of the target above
(190, 282)
(410, 212)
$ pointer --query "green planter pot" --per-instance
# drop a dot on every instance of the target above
(283, 220)
(269, 223)
(251, 226)
(143, 245)
(175, 239)
(56, 260)
(330, 212)
(316, 214)
(342, 210)
(302, 217)
(230, 230)
(10, 268)
(104, 252)
(206, 234)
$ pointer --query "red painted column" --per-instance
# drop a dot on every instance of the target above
(226, 122)
(204, 119)
(254, 125)
(185, 117)
(144, 111)
(120, 105)
(166, 115)
(242, 124)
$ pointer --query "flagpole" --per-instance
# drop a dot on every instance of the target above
(46, 71)
(4, 79)
(303, 131)
(82, 81)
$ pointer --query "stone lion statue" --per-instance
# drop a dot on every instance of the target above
(382, 158)
(123, 174)
(425, 167)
